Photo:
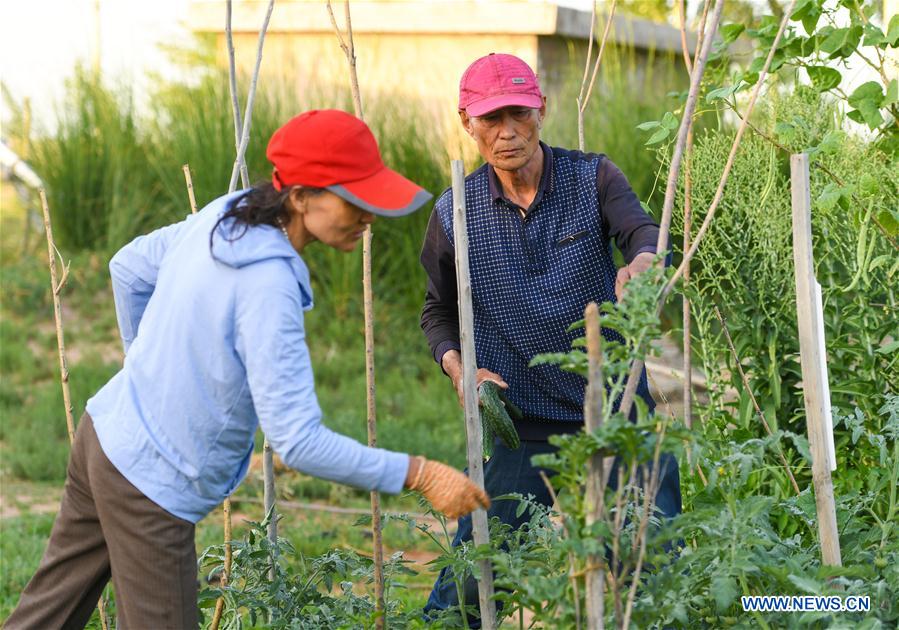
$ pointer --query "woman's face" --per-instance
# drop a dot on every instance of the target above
(328, 218)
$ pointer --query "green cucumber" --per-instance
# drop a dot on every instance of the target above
(495, 417)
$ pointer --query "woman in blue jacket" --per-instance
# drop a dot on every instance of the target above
(211, 315)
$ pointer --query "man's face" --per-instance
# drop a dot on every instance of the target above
(507, 138)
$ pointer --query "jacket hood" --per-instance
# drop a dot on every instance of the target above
(237, 248)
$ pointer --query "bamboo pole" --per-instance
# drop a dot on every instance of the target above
(586, 90)
(190, 189)
(232, 85)
(226, 505)
(251, 97)
(811, 359)
(349, 50)
(473, 429)
(688, 216)
(593, 405)
(56, 285)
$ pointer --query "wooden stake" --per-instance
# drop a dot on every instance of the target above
(268, 497)
(593, 405)
(349, 50)
(473, 430)
(226, 505)
(56, 285)
(190, 189)
(810, 354)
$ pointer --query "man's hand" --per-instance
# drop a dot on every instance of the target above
(452, 365)
(639, 264)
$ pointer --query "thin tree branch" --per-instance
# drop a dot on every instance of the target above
(232, 84)
(251, 97)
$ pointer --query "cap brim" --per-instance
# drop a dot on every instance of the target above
(386, 193)
(492, 103)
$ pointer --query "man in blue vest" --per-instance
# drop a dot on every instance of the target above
(540, 224)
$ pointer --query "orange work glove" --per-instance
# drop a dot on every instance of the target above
(446, 488)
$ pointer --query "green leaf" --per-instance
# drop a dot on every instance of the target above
(893, 31)
(874, 36)
(824, 78)
(724, 590)
(722, 93)
(670, 121)
(802, 447)
(805, 584)
(856, 116)
(842, 42)
(867, 99)
(870, 91)
(651, 124)
(730, 32)
(785, 132)
(890, 348)
(832, 141)
(871, 114)
(892, 94)
(868, 184)
(810, 21)
(660, 134)
(807, 11)
(756, 66)
(830, 196)
(835, 40)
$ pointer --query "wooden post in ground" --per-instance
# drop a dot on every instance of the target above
(56, 285)
(473, 429)
(593, 403)
(349, 50)
(226, 505)
(810, 334)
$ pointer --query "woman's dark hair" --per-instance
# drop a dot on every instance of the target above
(261, 205)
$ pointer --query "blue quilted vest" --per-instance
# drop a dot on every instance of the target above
(532, 277)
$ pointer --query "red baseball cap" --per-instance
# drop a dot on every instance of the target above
(331, 149)
(498, 80)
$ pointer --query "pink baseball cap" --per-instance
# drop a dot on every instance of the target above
(498, 80)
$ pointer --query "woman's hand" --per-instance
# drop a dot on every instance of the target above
(446, 488)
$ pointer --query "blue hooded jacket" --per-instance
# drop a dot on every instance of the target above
(215, 346)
